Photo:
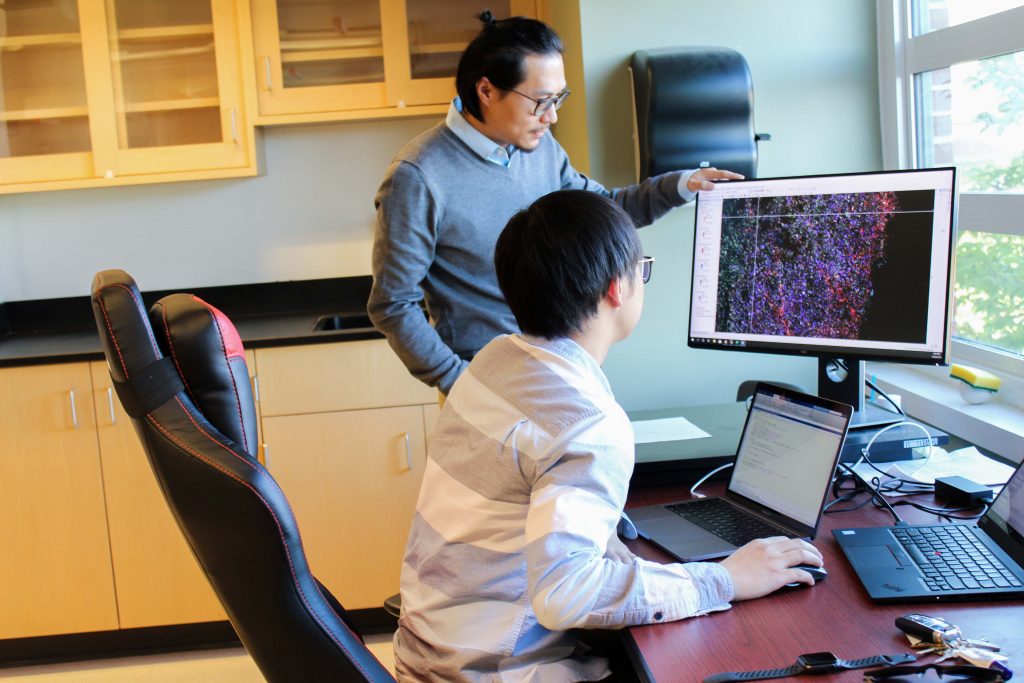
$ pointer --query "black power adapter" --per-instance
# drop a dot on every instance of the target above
(962, 492)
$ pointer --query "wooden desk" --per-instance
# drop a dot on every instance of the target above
(835, 615)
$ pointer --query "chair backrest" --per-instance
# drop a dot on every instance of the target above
(180, 373)
(746, 388)
(693, 105)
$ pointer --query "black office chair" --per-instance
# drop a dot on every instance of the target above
(694, 105)
(186, 388)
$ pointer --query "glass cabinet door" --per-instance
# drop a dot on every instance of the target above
(319, 55)
(330, 43)
(173, 96)
(438, 33)
(164, 72)
(44, 121)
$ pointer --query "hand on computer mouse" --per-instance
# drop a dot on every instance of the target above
(817, 573)
(765, 565)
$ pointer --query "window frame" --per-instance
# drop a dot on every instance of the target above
(901, 55)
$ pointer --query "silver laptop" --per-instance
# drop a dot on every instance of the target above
(944, 561)
(787, 454)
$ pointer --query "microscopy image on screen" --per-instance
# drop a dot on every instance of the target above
(838, 266)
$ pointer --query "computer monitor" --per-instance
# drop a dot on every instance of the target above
(845, 268)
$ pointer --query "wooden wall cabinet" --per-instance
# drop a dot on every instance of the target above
(105, 92)
(324, 60)
(345, 429)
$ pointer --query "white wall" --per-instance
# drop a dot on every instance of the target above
(310, 215)
(813, 66)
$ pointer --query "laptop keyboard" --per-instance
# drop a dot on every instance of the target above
(724, 520)
(953, 559)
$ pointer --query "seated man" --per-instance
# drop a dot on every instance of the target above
(513, 542)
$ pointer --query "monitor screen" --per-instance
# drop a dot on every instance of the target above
(850, 266)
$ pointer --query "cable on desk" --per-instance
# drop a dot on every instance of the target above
(874, 387)
(876, 488)
(945, 513)
(876, 495)
(693, 489)
(866, 451)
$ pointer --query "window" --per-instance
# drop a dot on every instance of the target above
(951, 78)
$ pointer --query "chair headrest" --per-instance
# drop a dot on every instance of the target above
(195, 348)
(207, 351)
(128, 341)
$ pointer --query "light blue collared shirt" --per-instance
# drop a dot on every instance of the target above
(491, 151)
(487, 148)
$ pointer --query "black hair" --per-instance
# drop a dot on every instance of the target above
(556, 259)
(498, 52)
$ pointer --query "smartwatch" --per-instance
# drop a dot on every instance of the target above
(813, 663)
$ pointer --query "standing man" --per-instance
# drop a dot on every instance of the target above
(446, 196)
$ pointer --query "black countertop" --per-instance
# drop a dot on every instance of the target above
(265, 314)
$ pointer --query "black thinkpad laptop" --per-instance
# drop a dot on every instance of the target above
(944, 561)
(787, 453)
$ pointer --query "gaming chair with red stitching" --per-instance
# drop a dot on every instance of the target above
(183, 380)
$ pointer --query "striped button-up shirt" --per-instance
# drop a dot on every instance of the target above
(526, 476)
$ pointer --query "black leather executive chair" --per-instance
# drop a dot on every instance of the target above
(693, 105)
(746, 388)
(180, 374)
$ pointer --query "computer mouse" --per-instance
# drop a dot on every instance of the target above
(818, 573)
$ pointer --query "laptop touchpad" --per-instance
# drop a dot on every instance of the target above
(685, 540)
(873, 557)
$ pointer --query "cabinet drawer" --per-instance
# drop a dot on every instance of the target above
(329, 377)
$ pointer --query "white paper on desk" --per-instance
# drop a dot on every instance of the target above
(966, 462)
(667, 429)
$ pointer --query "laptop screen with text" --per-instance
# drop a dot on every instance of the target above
(785, 458)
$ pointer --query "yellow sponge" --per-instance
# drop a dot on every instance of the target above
(979, 379)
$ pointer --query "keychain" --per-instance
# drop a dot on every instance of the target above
(930, 630)
(934, 635)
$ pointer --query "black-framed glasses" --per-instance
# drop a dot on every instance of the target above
(545, 104)
(934, 672)
(646, 266)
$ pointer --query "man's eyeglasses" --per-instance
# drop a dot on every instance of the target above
(646, 265)
(934, 672)
(545, 104)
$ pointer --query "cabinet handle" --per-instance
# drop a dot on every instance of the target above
(266, 71)
(110, 404)
(74, 411)
(408, 451)
(234, 126)
(266, 456)
(256, 387)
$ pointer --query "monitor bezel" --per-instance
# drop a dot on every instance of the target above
(837, 350)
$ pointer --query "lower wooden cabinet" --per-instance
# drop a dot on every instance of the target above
(352, 479)
(157, 579)
(55, 568)
(90, 544)
(345, 429)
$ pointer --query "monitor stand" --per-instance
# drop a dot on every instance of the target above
(846, 385)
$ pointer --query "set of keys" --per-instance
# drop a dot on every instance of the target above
(934, 635)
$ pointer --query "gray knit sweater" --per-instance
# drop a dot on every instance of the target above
(440, 210)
